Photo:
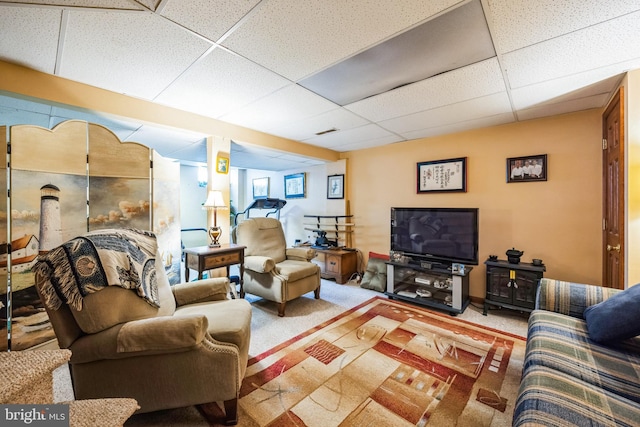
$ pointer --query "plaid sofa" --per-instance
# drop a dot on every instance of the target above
(567, 379)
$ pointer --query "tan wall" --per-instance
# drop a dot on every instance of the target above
(558, 220)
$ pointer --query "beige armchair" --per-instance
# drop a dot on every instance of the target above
(271, 270)
(191, 350)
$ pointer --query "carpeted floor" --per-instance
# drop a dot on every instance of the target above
(268, 330)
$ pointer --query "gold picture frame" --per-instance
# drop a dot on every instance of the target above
(222, 163)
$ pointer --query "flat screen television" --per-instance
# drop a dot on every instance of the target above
(443, 235)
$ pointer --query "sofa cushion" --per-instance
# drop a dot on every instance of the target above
(561, 343)
(548, 397)
(615, 319)
(375, 276)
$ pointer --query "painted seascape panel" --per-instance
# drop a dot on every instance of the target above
(47, 209)
(166, 214)
(48, 206)
(119, 203)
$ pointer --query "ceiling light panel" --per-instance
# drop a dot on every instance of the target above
(476, 80)
(593, 47)
(220, 83)
(520, 23)
(452, 40)
(144, 52)
(210, 19)
(36, 48)
(325, 31)
(285, 106)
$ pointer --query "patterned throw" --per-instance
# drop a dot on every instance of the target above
(88, 263)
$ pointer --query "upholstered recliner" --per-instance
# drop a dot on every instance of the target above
(271, 270)
(191, 350)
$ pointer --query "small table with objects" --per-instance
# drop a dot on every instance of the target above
(204, 258)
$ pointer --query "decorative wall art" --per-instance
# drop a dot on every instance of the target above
(335, 187)
(261, 188)
(527, 169)
(222, 163)
(294, 186)
(442, 176)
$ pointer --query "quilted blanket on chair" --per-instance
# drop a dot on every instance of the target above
(88, 263)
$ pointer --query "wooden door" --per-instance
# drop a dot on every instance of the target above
(613, 189)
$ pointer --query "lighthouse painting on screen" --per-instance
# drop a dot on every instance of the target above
(47, 209)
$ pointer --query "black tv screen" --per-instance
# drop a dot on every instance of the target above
(438, 234)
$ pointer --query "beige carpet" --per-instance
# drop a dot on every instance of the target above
(476, 388)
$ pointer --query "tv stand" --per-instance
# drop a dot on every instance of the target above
(435, 286)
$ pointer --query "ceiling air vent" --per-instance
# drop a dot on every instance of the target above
(326, 131)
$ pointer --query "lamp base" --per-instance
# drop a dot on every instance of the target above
(214, 235)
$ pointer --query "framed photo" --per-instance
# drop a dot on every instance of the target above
(261, 188)
(442, 175)
(335, 187)
(294, 186)
(222, 163)
(527, 169)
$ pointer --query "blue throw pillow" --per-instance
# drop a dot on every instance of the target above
(615, 319)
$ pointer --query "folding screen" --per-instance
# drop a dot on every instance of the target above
(64, 182)
(48, 206)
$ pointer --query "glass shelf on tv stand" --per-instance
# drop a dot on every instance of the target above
(435, 287)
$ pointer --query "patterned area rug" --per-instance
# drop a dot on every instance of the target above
(385, 363)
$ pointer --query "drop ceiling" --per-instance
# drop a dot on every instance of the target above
(297, 69)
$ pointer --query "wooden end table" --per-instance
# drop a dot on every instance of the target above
(203, 258)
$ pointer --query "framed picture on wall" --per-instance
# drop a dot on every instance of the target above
(527, 169)
(442, 175)
(222, 163)
(335, 187)
(261, 188)
(294, 186)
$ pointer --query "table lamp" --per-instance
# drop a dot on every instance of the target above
(214, 201)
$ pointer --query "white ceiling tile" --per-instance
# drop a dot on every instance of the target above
(144, 53)
(519, 23)
(94, 4)
(373, 142)
(209, 18)
(287, 105)
(299, 38)
(485, 106)
(569, 106)
(576, 86)
(339, 118)
(499, 119)
(341, 139)
(220, 83)
(480, 79)
(151, 4)
(166, 141)
(36, 48)
(608, 43)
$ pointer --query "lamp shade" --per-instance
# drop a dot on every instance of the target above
(214, 200)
